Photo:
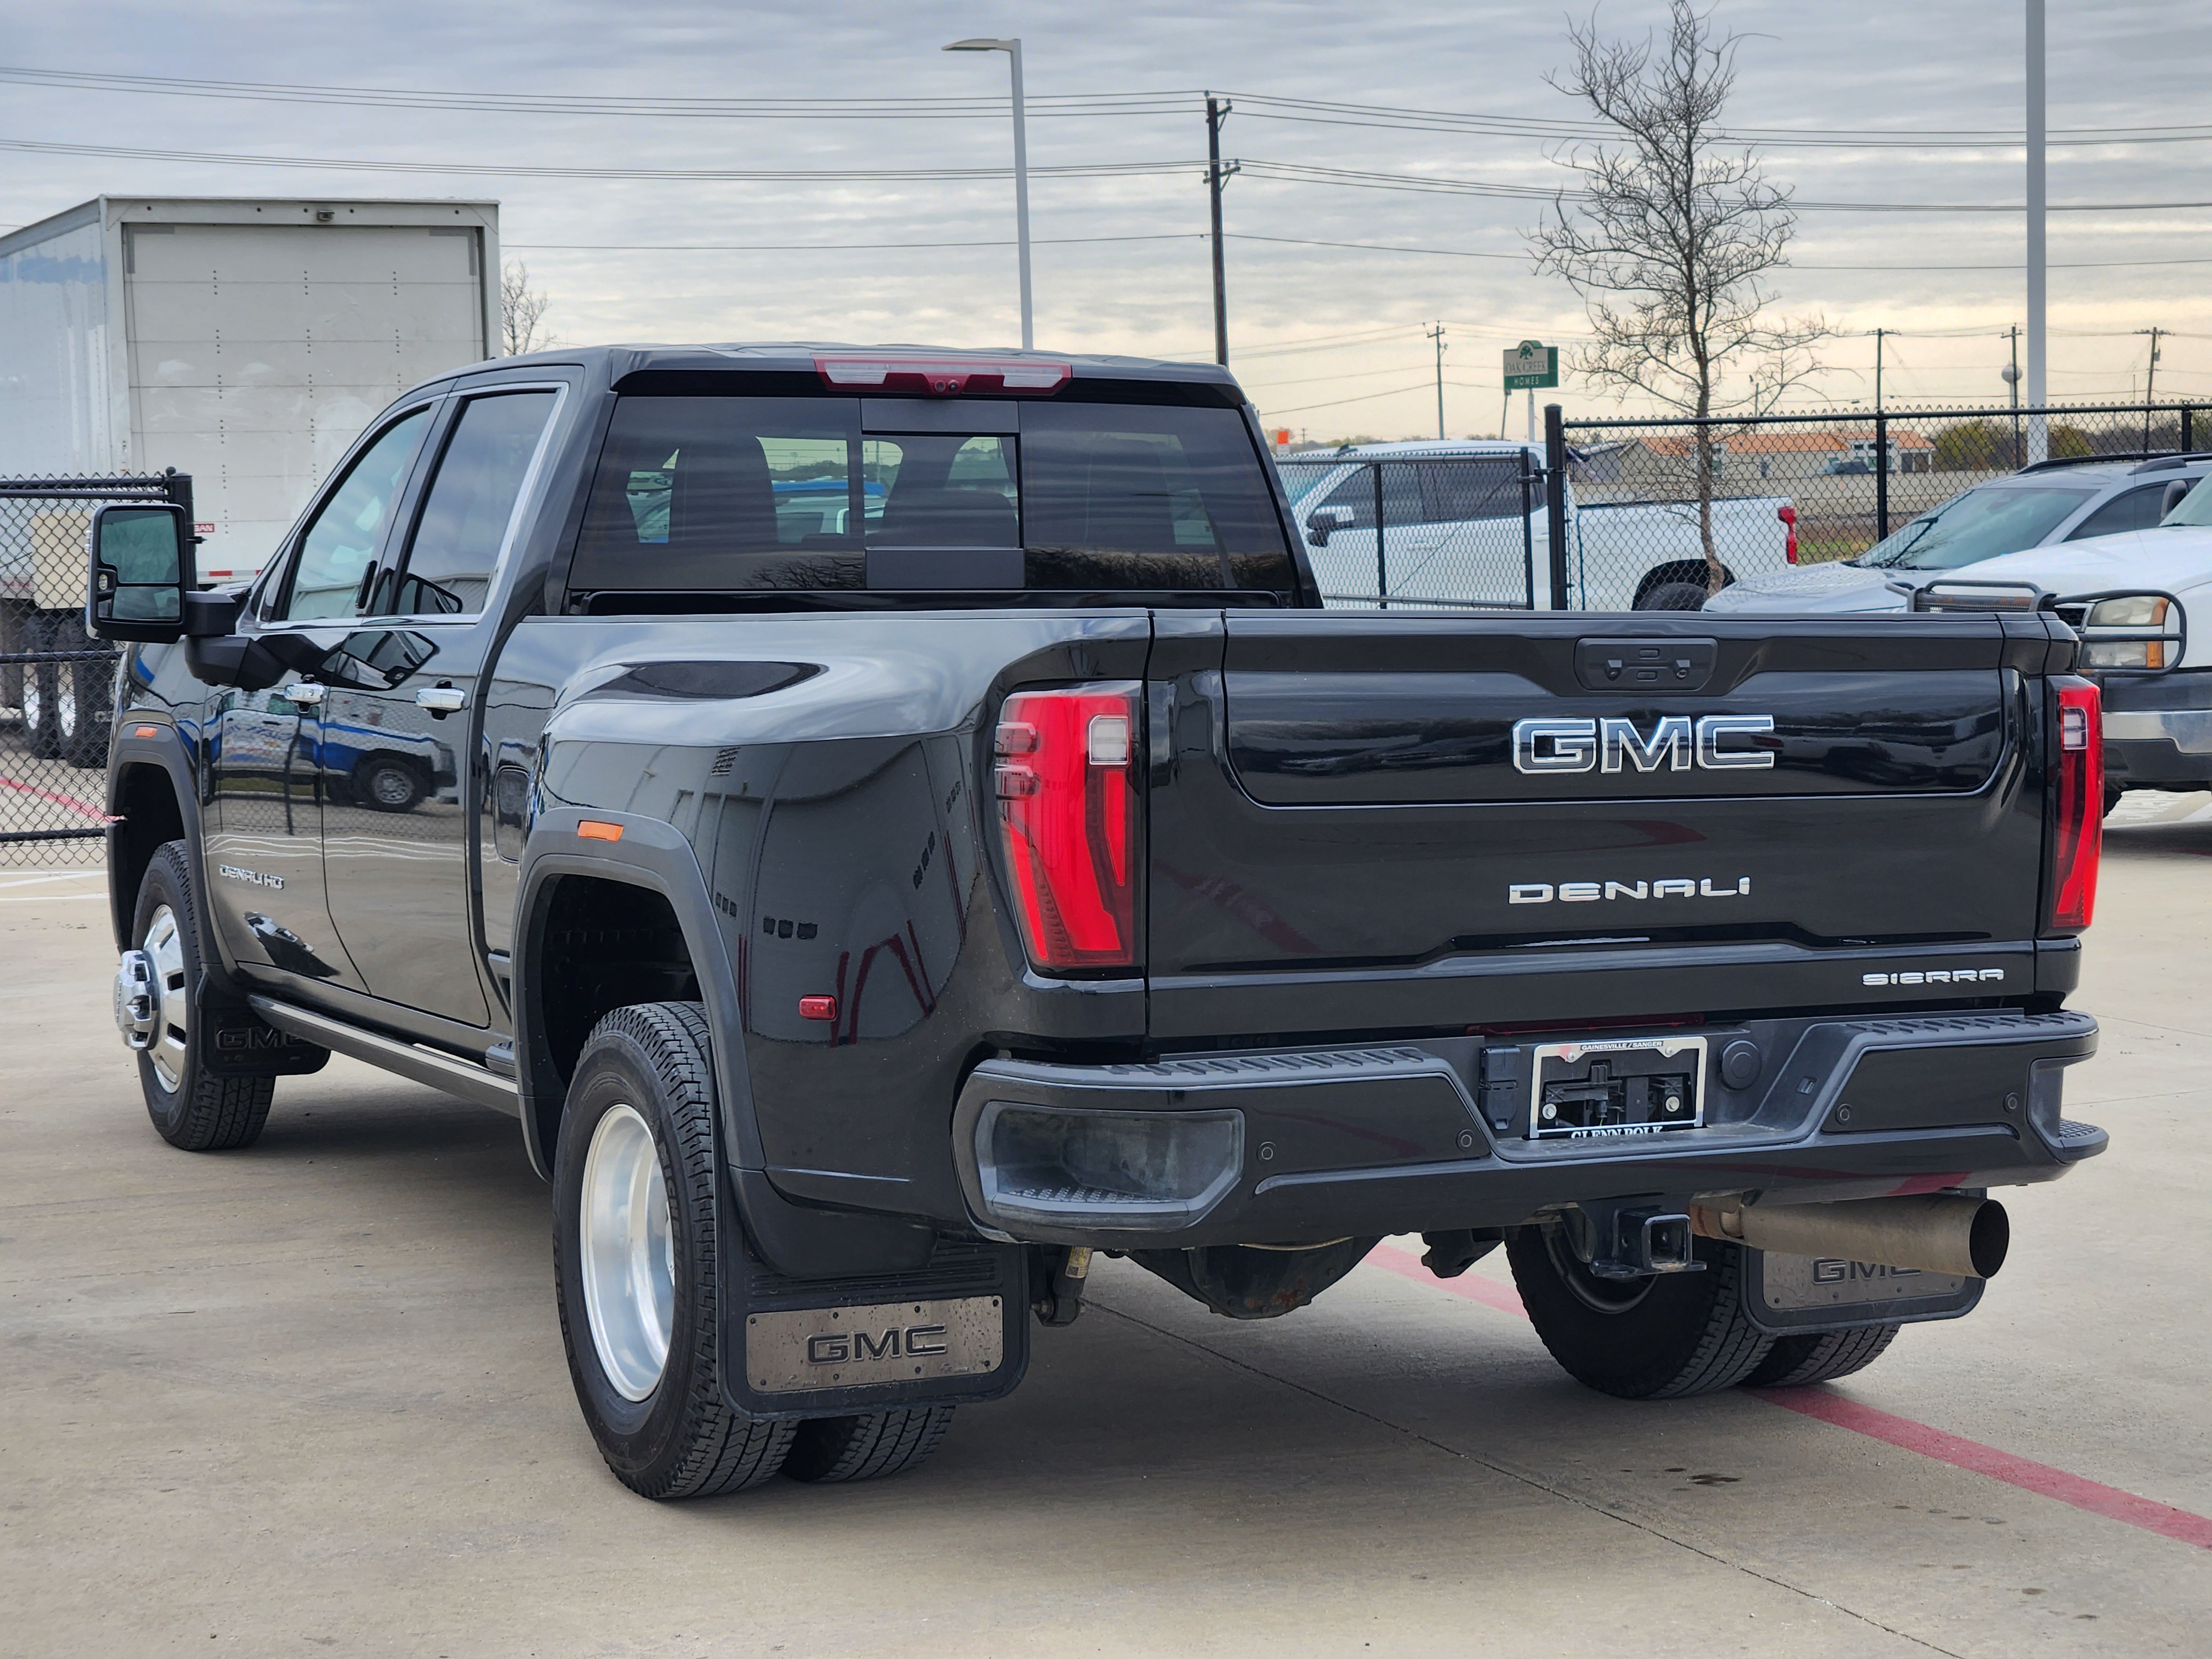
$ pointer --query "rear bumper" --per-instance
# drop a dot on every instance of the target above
(2158, 730)
(1428, 1136)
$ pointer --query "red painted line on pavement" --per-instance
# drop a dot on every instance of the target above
(70, 801)
(1903, 1432)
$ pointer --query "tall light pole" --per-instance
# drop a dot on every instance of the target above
(2039, 434)
(1437, 335)
(1013, 50)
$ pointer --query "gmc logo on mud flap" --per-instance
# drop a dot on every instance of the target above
(1826, 1271)
(244, 1039)
(840, 1348)
(1676, 744)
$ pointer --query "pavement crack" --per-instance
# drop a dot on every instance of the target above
(1527, 1478)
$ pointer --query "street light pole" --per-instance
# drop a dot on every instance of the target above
(2039, 434)
(1013, 50)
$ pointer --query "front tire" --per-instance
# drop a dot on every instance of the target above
(192, 1109)
(636, 1260)
(1665, 1337)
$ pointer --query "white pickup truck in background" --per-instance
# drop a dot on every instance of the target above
(1464, 524)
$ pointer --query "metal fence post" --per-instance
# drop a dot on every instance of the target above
(1382, 558)
(1555, 503)
(1880, 476)
(1527, 534)
(2188, 433)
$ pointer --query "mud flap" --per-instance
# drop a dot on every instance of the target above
(952, 1332)
(1783, 1294)
(235, 1041)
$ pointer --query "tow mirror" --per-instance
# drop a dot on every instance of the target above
(1325, 522)
(2174, 492)
(139, 557)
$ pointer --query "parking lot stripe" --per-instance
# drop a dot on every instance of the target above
(86, 808)
(1902, 1432)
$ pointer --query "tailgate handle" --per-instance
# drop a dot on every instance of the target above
(1644, 665)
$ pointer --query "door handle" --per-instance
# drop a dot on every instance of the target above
(306, 693)
(442, 699)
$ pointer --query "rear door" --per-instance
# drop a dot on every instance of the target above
(1367, 822)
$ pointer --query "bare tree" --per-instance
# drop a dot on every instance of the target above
(521, 308)
(1668, 236)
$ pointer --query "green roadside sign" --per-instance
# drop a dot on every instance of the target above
(1532, 366)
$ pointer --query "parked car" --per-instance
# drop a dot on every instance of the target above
(1464, 523)
(2041, 506)
(868, 928)
(2133, 597)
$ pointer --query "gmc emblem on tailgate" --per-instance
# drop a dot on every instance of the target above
(1676, 744)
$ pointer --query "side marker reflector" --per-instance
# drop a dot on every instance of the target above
(593, 830)
(147, 731)
(817, 1007)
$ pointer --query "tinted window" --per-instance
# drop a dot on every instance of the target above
(722, 493)
(1978, 525)
(735, 493)
(1458, 492)
(344, 535)
(2139, 509)
(464, 523)
(1119, 496)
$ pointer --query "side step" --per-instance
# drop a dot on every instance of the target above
(455, 1077)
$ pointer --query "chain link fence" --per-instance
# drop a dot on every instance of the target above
(1429, 533)
(1643, 499)
(57, 682)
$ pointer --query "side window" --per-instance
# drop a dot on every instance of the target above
(1401, 496)
(1460, 492)
(2135, 510)
(344, 535)
(464, 517)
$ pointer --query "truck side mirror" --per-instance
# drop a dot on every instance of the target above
(140, 556)
(2174, 492)
(1325, 522)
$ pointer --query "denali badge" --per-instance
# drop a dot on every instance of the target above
(1610, 744)
(1589, 892)
(1935, 976)
(252, 877)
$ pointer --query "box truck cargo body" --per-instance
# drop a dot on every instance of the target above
(245, 342)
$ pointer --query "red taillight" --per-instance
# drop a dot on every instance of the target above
(946, 377)
(1067, 809)
(2078, 838)
(1789, 516)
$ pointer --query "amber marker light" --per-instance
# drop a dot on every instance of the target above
(595, 829)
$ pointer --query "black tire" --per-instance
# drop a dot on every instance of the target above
(39, 687)
(682, 1439)
(1674, 596)
(1820, 1356)
(388, 783)
(190, 1109)
(1666, 1337)
(11, 641)
(82, 694)
(868, 1447)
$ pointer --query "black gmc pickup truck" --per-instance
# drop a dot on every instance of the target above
(892, 824)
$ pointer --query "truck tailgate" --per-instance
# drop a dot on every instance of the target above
(1344, 838)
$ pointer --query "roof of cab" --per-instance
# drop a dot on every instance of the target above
(798, 356)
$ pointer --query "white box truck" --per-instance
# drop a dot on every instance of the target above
(243, 340)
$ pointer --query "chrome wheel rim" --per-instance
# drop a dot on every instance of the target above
(33, 701)
(627, 1252)
(65, 703)
(173, 1011)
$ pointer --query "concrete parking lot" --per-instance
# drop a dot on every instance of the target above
(310, 1398)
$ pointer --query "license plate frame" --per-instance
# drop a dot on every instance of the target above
(1574, 1053)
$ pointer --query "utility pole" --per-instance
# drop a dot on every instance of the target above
(2150, 384)
(2039, 432)
(1216, 111)
(1437, 335)
(1878, 333)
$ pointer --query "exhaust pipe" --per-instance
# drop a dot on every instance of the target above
(1934, 1233)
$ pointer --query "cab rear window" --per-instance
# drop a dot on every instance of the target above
(716, 494)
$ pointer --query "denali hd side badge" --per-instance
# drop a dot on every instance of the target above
(252, 877)
(1676, 744)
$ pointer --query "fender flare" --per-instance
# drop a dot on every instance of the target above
(798, 1239)
(166, 754)
(653, 855)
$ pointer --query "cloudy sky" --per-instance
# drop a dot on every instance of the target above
(1889, 120)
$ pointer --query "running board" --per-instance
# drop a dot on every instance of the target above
(455, 1077)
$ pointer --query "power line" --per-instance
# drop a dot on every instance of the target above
(827, 247)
